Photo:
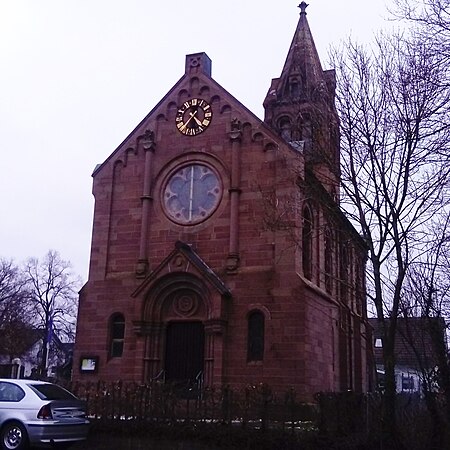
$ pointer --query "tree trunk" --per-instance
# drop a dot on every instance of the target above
(391, 436)
(440, 349)
(438, 432)
(389, 418)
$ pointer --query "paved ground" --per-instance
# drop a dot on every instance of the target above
(103, 441)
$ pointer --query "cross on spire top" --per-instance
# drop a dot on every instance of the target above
(303, 6)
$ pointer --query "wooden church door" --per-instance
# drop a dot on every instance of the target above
(185, 346)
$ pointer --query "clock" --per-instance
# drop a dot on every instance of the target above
(191, 194)
(193, 117)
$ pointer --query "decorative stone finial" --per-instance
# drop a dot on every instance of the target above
(236, 129)
(148, 140)
(303, 7)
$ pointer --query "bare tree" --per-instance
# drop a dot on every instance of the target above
(53, 292)
(429, 280)
(431, 19)
(427, 295)
(11, 284)
(15, 336)
(394, 112)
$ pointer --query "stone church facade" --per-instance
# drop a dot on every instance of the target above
(219, 251)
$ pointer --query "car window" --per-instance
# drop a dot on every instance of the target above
(10, 392)
(51, 392)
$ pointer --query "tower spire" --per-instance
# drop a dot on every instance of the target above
(302, 78)
(299, 105)
(302, 70)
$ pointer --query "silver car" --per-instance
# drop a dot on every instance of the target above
(39, 414)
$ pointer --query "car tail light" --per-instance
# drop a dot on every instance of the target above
(45, 412)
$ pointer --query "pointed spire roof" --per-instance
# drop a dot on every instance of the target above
(302, 67)
(299, 106)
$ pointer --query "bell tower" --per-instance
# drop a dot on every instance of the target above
(299, 106)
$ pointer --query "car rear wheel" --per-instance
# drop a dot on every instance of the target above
(14, 437)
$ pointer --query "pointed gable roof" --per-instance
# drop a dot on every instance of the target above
(190, 262)
(197, 65)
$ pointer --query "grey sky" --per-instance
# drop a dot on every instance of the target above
(78, 75)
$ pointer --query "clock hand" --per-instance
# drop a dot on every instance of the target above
(191, 116)
(197, 120)
(182, 126)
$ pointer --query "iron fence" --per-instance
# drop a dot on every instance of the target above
(354, 418)
(252, 406)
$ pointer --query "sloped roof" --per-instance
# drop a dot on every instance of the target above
(30, 336)
(195, 260)
(205, 75)
(413, 342)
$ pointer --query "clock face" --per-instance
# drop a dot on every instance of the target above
(192, 194)
(193, 117)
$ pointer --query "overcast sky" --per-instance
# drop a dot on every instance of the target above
(76, 77)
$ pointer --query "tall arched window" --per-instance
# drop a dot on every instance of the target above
(343, 270)
(116, 335)
(307, 246)
(328, 260)
(255, 339)
(358, 289)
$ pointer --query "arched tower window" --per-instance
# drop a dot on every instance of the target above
(294, 87)
(334, 195)
(307, 131)
(307, 242)
(285, 128)
(116, 335)
(255, 339)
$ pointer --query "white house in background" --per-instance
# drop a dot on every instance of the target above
(26, 365)
(414, 351)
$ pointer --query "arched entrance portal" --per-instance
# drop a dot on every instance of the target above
(185, 349)
(179, 331)
(183, 321)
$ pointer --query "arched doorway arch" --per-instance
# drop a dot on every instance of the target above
(177, 296)
(179, 338)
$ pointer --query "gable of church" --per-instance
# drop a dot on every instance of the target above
(198, 137)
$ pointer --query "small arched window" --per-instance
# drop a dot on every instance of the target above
(117, 335)
(307, 246)
(294, 87)
(255, 341)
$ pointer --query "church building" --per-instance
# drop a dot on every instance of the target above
(220, 254)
